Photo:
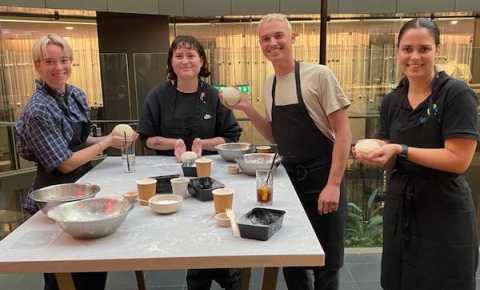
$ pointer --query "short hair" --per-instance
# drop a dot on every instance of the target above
(426, 23)
(39, 48)
(275, 17)
(191, 42)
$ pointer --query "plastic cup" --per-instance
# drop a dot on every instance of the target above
(222, 199)
(179, 185)
(146, 188)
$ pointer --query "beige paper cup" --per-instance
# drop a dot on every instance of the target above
(204, 167)
(179, 185)
(146, 188)
(264, 149)
(222, 199)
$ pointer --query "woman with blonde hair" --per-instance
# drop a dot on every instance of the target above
(53, 131)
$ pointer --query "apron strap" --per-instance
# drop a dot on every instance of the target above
(297, 84)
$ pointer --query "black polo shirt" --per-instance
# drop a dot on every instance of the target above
(455, 106)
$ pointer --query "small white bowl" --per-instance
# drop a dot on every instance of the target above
(222, 220)
(165, 203)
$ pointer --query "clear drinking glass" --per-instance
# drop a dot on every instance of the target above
(128, 157)
(264, 186)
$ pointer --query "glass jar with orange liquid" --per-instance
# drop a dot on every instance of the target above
(264, 179)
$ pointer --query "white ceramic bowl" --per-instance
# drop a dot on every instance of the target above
(165, 203)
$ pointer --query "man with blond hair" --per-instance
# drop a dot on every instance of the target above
(306, 116)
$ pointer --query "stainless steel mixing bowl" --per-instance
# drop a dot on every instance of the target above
(249, 163)
(230, 151)
(51, 196)
(91, 218)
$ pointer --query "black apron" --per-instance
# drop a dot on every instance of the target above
(81, 130)
(196, 121)
(430, 233)
(307, 156)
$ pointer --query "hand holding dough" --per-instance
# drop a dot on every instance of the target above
(231, 95)
(188, 156)
(365, 146)
(122, 130)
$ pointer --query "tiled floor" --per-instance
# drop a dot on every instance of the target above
(360, 272)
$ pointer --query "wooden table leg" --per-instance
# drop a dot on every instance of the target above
(245, 278)
(65, 281)
(140, 280)
(269, 279)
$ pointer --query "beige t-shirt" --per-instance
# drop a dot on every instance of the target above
(322, 94)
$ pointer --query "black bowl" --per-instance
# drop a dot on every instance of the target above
(189, 171)
(260, 223)
(163, 183)
(201, 187)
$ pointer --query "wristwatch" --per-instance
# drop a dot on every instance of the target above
(403, 151)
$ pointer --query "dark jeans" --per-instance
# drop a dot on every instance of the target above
(300, 278)
(82, 281)
(201, 279)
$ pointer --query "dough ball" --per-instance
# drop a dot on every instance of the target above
(121, 128)
(231, 95)
(365, 146)
(188, 156)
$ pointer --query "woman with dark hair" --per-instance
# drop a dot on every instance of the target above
(428, 132)
(185, 112)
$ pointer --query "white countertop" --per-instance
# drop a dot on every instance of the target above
(188, 238)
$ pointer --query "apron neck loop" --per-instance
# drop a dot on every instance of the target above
(298, 86)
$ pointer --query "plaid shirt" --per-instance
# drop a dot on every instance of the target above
(43, 131)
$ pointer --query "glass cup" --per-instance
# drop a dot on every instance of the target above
(264, 179)
(128, 157)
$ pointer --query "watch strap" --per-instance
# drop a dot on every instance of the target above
(404, 151)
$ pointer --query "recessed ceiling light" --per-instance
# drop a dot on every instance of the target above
(69, 27)
(454, 22)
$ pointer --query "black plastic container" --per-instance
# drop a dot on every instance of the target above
(201, 187)
(260, 223)
(189, 171)
(163, 183)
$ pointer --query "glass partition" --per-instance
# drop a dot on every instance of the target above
(150, 71)
(362, 54)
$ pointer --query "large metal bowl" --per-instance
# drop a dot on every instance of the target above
(249, 163)
(51, 196)
(91, 218)
(230, 151)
